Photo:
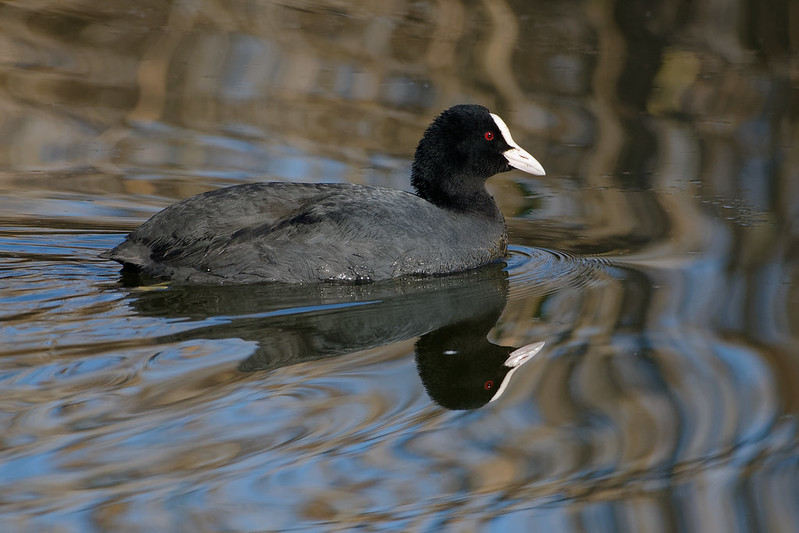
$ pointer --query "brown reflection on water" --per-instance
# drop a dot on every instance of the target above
(657, 260)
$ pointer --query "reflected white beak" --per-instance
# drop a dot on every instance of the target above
(521, 355)
(515, 360)
(517, 156)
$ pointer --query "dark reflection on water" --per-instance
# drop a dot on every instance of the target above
(657, 260)
(451, 315)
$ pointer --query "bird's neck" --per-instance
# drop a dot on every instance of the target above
(462, 193)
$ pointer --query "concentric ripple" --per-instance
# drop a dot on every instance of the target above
(539, 271)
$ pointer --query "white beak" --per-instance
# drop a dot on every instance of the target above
(518, 157)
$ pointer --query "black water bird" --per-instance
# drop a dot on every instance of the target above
(305, 233)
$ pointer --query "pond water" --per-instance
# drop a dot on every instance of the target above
(657, 261)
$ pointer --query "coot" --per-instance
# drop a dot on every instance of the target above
(303, 232)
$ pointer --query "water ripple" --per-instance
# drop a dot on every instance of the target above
(541, 271)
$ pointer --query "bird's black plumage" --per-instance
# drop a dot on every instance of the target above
(301, 233)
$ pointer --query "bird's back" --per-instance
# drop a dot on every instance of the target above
(290, 232)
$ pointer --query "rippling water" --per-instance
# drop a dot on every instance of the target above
(657, 261)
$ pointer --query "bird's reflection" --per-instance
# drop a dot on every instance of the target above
(452, 316)
(461, 369)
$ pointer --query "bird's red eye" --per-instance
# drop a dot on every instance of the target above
(489, 136)
(488, 385)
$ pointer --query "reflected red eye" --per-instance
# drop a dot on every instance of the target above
(489, 136)
(488, 385)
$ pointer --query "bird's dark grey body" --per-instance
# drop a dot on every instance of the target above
(295, 233)
(305, 233)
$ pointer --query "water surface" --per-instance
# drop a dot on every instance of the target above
(657, 260)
